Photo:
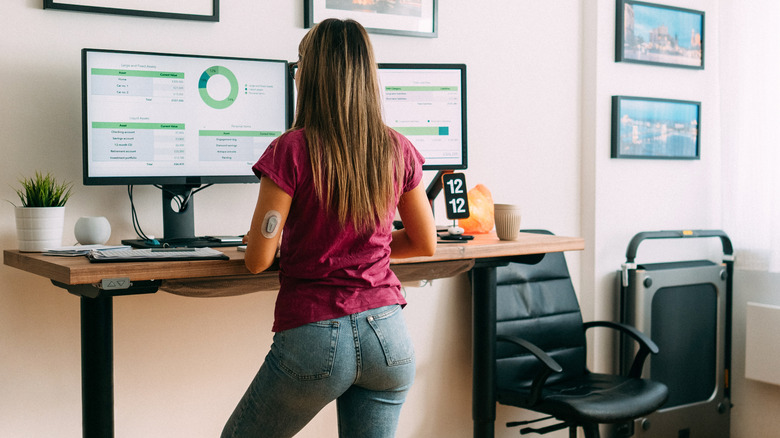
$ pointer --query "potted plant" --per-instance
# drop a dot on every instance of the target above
(40, 218)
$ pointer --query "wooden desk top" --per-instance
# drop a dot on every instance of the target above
(78, 270)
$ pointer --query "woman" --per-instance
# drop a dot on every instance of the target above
(332, 183)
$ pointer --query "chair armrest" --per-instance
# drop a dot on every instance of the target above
(550, 365)
(646, 345)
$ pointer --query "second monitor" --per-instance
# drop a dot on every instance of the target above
(427, 104)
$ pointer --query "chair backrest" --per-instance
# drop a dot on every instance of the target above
(538, 303)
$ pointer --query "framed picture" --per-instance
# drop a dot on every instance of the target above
(648, 33)
(410, 17)
(644, 127)
(203, 10)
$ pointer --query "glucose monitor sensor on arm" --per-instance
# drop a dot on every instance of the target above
(270, 225)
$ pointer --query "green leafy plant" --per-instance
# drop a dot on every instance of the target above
(43, 191)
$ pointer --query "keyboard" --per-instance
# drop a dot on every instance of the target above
(155, 255)
(188, 242)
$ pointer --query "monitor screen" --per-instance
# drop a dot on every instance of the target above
(427, 104)
(171, 119)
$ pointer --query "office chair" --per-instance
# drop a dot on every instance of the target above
(541, 354)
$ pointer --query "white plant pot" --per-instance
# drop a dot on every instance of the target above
(39, 228)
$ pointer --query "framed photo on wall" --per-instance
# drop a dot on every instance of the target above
(410, 18)
(644, 127)
(648, 33)
(203, 10)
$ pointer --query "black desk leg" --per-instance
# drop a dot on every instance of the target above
(97, 366)
(483, 292)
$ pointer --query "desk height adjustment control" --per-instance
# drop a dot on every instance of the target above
(111, 287)
(115, 283)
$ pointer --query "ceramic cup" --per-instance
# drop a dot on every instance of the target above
(94, 230)
(507, 217)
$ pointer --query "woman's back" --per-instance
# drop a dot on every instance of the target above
(325, 265)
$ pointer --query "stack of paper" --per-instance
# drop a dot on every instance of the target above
(80, 250)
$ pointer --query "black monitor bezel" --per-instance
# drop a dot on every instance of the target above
(189, 180)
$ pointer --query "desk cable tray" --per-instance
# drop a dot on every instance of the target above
(155, 255)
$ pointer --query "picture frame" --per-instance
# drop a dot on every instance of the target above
(412, 18)
(653, 128)
(201, 10)
(653, 34)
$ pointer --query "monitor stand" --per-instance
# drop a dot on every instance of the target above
(436, 185)
(179, 222)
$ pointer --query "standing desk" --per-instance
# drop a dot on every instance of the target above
(97, 283)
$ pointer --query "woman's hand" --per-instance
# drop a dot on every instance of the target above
(418, 237)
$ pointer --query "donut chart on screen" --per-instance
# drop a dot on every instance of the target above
(204, 93)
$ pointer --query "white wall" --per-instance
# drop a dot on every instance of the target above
(541, 75)
(181, 364)
(750, 65)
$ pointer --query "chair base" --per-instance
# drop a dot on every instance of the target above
(590, 430)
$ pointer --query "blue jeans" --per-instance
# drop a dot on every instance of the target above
(364, 361)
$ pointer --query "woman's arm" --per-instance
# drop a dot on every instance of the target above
(418, 237)
(273, 206)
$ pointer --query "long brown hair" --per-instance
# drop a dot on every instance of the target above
(356, 162)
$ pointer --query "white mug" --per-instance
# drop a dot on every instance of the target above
(93, 230)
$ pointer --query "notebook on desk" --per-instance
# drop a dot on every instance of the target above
(155, 254)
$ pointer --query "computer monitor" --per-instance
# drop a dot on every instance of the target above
(427, 104)
(178, 122)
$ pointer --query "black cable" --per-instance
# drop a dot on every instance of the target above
(192, 193)
(180, 203)
(136, 224)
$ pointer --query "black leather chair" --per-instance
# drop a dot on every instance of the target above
(541, 354)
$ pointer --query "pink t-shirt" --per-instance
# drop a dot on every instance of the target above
(325, 270)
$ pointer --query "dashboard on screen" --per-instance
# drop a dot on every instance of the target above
(427, 104)
(153, 118)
